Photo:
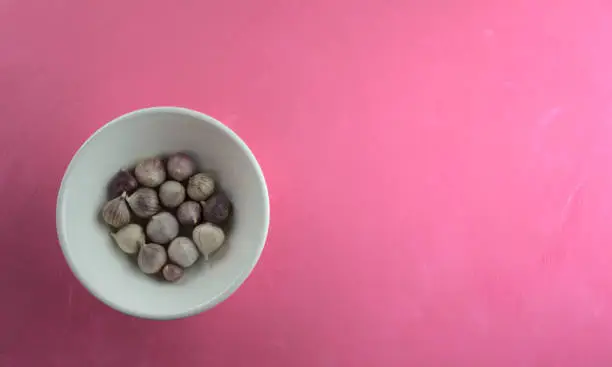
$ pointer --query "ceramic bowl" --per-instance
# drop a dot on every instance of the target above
(107, 272)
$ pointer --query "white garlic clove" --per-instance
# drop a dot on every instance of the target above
(171, 194)
(151, 258)
(200, 187)
(172, 273)
(208, 238)
(183, 252)
(189, 213)
(144, 202)
(116, 212)
(162, 228)
(150, 172)
(129, 238)
(181, 166)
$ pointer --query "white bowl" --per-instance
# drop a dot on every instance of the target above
(108, 273)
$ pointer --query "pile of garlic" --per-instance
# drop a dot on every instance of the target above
(166, 214)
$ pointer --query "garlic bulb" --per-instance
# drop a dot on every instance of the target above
(172, 273)
(150, 172)
(151, 258)
(200, 187)
(122, 182)
(183, 252)
(208, 238)
(129, 238)
(171, 194)
(217, 209)
(181, 166)
(189, 213)
(162, 228)
(144, 202)
(116, 212)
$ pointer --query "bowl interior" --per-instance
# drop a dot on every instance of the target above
(104, 269)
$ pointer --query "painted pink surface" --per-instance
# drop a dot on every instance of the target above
(440, 176)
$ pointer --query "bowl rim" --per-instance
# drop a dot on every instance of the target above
(236, 282)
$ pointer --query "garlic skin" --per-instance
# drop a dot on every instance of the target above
(189, 213)
(144, 202)
(208, 238)
(116, 212)
(150, 172)
(129, 238)
(217, 209)
(200, 187)
(183, 252)
(171, 194)
(122, 182)
(151, 258)
(162, 228)
(172, 273)
(181, 166)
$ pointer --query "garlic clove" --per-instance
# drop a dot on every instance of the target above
(129, 238)
(171, 194)
(144, 202)
(172, 273)
(122, 182)
(189, 213)
(162, 228)
(151, 258)
(208, 238)
(200, 187)
(217, 209)
(183, 252)
(116, 212)
(181, 166)
(150, 172)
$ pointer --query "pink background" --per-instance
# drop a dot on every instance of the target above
(440, 176)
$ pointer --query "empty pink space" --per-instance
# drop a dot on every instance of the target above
(440, 176)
